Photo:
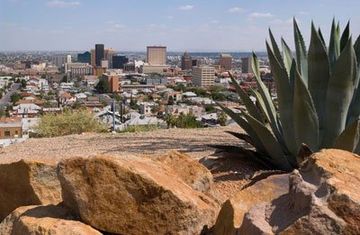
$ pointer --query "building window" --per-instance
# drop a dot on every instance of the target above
(7, 133)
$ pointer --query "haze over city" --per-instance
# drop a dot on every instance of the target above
(181, 25)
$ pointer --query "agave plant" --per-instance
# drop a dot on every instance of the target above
(318, 99)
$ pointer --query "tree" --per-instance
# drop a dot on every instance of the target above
(23, 83)
(15, 97)
(102, 86)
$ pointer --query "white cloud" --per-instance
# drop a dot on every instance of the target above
(186, 7)
(235, 10)
(261, 15)
(62, 4)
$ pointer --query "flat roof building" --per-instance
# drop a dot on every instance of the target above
(156, 55)
(225, 62)
(203, 76)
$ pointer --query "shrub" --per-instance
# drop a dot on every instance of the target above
(67, 123)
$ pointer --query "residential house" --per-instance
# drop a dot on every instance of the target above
(10, 128)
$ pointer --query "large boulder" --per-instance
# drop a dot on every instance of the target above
(25, 183)
(189, 170)
(323, 198)
(132, 195)
(50, 219)
(233, 210)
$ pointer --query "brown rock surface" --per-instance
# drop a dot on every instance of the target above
(132, 195)
(35, 220)
(189, 170)
(27, 183)
(233, 210)
(323, 199)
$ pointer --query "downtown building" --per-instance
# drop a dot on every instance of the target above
(78, 69)
(186, 62)
(155, 60)
(246, 65)
(203, 76)
(225, 62)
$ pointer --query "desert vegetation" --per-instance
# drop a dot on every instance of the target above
(67, 123)
(318, 99)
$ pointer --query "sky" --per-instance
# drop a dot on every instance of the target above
(191, 25)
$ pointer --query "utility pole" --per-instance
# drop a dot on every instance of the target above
(113, 111)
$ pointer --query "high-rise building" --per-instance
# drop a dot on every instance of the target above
(156, 55)
(203, 76)
(194, 62)
(108, 54)
(84, 57)
(246, 65)
(93, 57)
(99, 54)
(225, 61)
(118, 61)
(61, 60)
(186, 62)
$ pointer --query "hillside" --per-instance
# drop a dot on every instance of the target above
(191, 141)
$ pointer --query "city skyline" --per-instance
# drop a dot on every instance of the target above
(199, 26)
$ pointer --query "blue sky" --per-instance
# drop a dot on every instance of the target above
(193, 25)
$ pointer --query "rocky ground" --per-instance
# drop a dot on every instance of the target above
(191, 141)
(229, 178)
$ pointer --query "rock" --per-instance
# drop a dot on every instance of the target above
(323, 199)
(189, 170)
(133, 195)
(233, 210)
(50, 219)
(25, 183)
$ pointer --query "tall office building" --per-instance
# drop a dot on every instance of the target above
(108, 54)
(99, 54)
(119, 61)
(186, 62)
(203, 76)
(156, 55)
(84, 57)
(246, 65)
(61, 60)
(93, 57)
(225, 61)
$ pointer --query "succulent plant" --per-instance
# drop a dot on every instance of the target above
(318, 99)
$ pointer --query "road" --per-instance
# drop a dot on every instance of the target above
(6, 99)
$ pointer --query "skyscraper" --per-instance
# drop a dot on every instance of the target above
(156, 55)
(186, 62)
(246, 65)
(84, 57)
(108, 54)
(119, 61)
(225, 61)
(99, 54)
(203, 76)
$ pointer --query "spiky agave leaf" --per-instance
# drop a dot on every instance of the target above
(349, 138)
(319, 74)
(334, 45)
(301, 54)
(250, 106)
(241, 136)
(275, 48)
(271, 144)
(246, 127)
(306, 122)
(287, 55)
(270, 107)
(285, 98)
(345, 36)
(339, 95)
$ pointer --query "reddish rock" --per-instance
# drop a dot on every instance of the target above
(132, 195)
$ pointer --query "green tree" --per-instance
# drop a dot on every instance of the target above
(15, 97)
(102, 86)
